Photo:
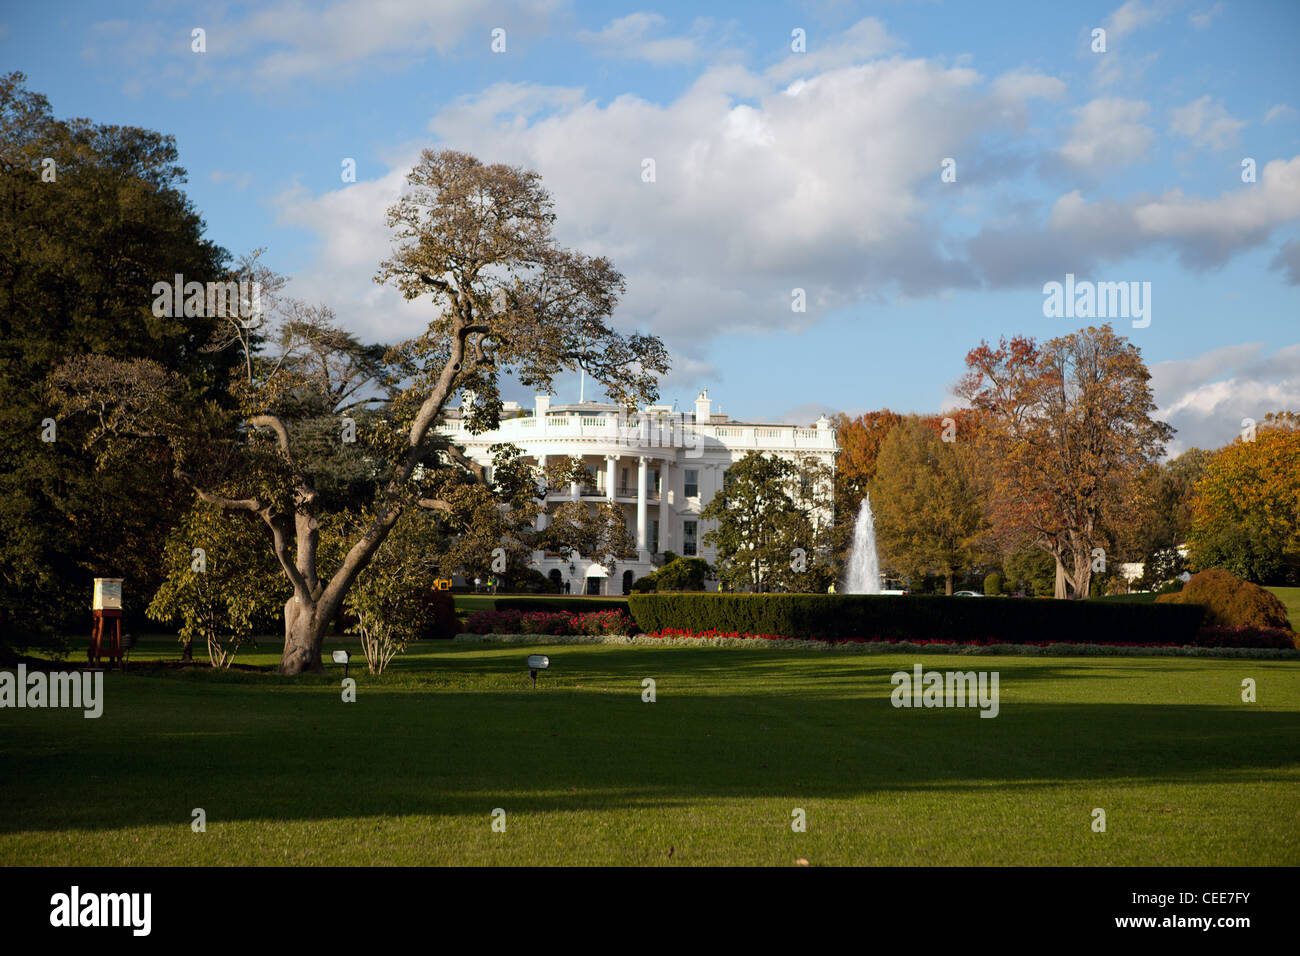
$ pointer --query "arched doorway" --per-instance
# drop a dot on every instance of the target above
(627, 582)
(557, 579)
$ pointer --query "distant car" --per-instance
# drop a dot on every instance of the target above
(967, 594)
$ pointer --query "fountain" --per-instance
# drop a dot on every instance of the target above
(864, 564)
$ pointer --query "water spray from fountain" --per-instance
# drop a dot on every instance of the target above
(864, 563)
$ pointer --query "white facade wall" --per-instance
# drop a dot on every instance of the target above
(626, 454)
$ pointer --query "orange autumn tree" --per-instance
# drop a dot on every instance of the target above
(1067, 431)
(859, 440)
(1246, 509)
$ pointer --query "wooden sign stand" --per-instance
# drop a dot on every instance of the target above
(106, 606)
(114, 648)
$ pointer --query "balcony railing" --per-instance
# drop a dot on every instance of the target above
(668, 433)
(624, 491)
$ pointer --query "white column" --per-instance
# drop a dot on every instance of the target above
(541, 514)
(611, 478)
(539, 556)
(642, 479)
(665, 510)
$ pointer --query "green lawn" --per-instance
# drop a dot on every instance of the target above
(1291, 598)
(589, 774)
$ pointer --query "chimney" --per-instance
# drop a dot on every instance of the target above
(543, 406)
(702, 407)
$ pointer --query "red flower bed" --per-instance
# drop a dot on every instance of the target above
(549, 622)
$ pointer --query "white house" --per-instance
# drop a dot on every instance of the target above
(659, 465)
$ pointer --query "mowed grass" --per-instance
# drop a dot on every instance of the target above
(710, 773)
(1291, 598)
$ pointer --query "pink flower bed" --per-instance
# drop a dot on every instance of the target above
(549, 622)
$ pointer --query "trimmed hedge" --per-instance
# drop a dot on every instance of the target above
(875, 617)
(576, 605)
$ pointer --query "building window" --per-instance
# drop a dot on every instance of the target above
(688, 539)
(692, 483)
(654, 537)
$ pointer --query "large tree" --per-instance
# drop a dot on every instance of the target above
(772, 526)
(477, 241)
(1068, 431)
(859, 440)
(927, 501)
(93, 215)
(1246, 510)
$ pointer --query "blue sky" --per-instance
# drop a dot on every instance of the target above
(774, 170)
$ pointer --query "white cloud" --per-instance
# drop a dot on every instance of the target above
(863, 41)
(291, 39)
(1206, 123)
(1029, 84)
(630, 37)
(1207, 397)
(1279, 113)
(1204, 18)
(1079, 234)
(760, 188)
(1243, 216)
(1108, 133)
(1132, 16)
(238, 181)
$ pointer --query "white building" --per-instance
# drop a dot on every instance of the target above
(659, 465)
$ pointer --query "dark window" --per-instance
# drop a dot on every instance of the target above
(692, 483)
(688, 539)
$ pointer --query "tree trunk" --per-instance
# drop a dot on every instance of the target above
(1082, 571)
(304, 634)
(1060, 591)
(187, 649)
(947, 585)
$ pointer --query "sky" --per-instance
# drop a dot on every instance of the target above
(914, 174)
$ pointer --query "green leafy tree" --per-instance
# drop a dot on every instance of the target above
(221, 586)
(682, 574)
(1031, 571)
(390, 597)
(773, 525)
(928, 507)
(93, 216)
